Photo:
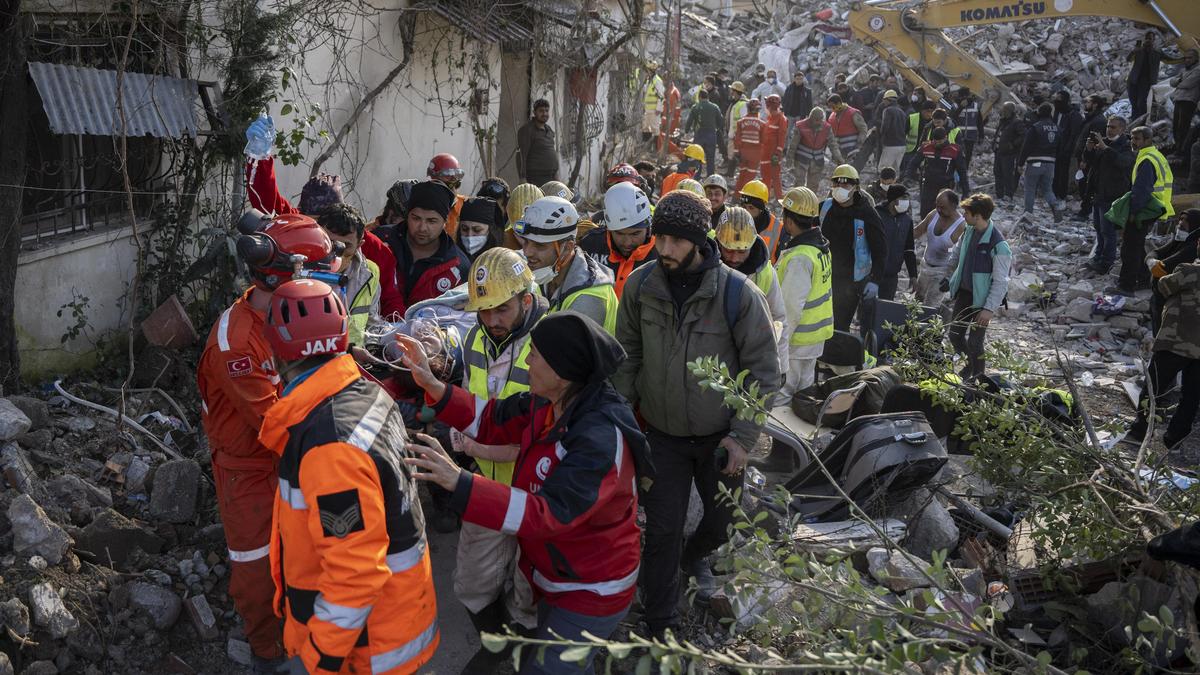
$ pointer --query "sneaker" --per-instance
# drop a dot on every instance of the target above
(1058, 215)
(1081, 217)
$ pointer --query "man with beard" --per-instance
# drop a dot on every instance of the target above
(687, 306)
(1093, 123)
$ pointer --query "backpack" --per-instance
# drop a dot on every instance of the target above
(732, 297)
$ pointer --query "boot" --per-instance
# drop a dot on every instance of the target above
(490, 619)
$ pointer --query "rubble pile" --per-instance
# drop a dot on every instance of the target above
(112, 556)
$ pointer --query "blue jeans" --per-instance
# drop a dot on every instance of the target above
(1106, 234)
(567, 625)
(1040, 178)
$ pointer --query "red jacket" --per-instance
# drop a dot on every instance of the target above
(748, 139)
(775, 138)
(264, 196)
(573, 500)
(418, 280)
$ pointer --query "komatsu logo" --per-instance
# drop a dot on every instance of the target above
(1015, 10)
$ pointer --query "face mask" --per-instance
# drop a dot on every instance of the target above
(914, 98)
(901, 205)
(771, 80)
(474, 242)
(543, 275)
(841, 194)
(1181, 234)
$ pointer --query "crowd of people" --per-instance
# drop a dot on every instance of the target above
(575, 404)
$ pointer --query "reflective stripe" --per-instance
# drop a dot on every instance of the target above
(815, 302)
(360, 310)
(203, 407)
(810, 327)
(406, 559)
(516, 511)
(603, 588)
(223, 331)
(619, 454)
(473, 429)
(249, 556)
(1040, 159)
(406, 652)
(291, 495)
(368, 427)
(349, 618)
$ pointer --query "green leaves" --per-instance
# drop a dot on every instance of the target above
(492, 642)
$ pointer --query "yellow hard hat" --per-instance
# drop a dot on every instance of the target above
(496, 276)
(846, 171)
(891, 93)
(736, 230)
(652, 65)
(738, 86)
(802, 202)
(756, 189)
(557, 189)
(521, 196)
(695, 152)
(691, 185)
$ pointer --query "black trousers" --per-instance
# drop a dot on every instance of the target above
(1062, 177)
(1164, 367)
(678, 461)
(1134, 273)
(888, 286)
(968, 151)
(1005, 169)
(1184, 112)
(966, 336)
(846, 296)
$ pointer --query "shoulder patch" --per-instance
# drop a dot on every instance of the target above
(239, 367)
(341, 513)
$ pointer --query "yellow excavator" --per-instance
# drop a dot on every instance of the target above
(911, 30)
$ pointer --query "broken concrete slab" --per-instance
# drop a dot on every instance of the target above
(112, 538)
(176, 486)
(68, 488)
(34, 533)
(893, 571)
(845, 536)
(13, 422)
(15, 616)
(159, 604)
(930, 526)
(35, 409)
(201, 614)
(49, 612)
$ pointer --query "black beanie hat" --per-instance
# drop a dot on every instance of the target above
(432, 195)
(896, 191)
(319, 193)
(576, 347)
(479, 210)
(683, 214)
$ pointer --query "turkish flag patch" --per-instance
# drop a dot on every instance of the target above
(341, 513)
(239, 367)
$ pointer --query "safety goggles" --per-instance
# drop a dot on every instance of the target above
(844, 181)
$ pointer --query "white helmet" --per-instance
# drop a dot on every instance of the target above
(547, 220)
(625, 206)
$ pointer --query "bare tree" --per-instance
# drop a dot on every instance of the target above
(13, 98)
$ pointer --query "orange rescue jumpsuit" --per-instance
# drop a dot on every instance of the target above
(748, 141)
(773, 145)
(349, 558)
(238, 384)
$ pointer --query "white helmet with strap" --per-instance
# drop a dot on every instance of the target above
(547, 220)
(626, 206)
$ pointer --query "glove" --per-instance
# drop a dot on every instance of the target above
(870, 291)
(944, 285)
(293, 666)
(775, 159)
(259, 136)
(1151, 262)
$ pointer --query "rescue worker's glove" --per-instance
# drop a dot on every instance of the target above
(944, 285)
(870, 291)
(262, 130)
(776, 159)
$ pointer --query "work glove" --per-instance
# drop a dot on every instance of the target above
(944, 285)
(260, 135)
(870, 291)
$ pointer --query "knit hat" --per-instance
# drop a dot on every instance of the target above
(432, 195)
(319, 193)
(683, 214)
(478, 210)
(576, 347)
(896, 191)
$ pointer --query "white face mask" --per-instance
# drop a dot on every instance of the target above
(474, 242)
(901, 205)
(1181, 235)
(841, 194)
(543, 275)
(914, 98)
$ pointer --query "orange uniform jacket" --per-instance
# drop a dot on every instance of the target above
(348, 552)
(673, 180)
(775, 135)
(748, 139)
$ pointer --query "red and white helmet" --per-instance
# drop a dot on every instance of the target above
(773, 102)
(621, 173)
(268, 245)
(445, 167)
(307, 318)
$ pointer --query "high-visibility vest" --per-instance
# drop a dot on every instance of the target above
(477, 383)
(763, 277)
(650, 98)
(1163, 178)
(605, 293)
(914, 127)
(844, 129)
(360, 304)
(772, 235)
(970, 121)
(816, 320)
(812, 144)
(736, 112)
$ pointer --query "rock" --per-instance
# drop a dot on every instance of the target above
(176, 485)
(113, 537)
(1024, 287)
(238, 651)
(35, 409)
(40, 668)
(13, 422)
(1079, 310)
(6, 667)
(894, 571)
(844, 536)
(68, 487)
(86, 643)
(135, 476)
(930, 526)
(1124, 322)
(35, 533)
(202, 617)
(49, 612)
(18, 471)
(36, 440)
(1078, 289)
(1118, 605)
(78, 425)
(158, 604)
(15, 615)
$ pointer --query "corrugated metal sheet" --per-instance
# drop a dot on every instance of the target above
(495, 25)
(84, 101)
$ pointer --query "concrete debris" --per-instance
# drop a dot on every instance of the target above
(14, 615)
(176, 487)
(238, 651)
(6, 666)
(49, 612)
(202, 617)
(78, 425)
(34, 533)
(891, 569)
(112, 539)
(13, 422)
(847, 536)
(35, 409)
(43, 667)
(18, 471)
(69, 488)
(159, 604)
(930, 526)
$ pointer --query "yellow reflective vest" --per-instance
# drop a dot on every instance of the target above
(360, 304)
(651, 98)
(1163, 178)
(605, 293)
(477, 383)
(816, 321)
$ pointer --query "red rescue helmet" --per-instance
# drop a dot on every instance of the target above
(773, 101)
(268, 246)
(444, 167)
(621, 173)
(306, 318)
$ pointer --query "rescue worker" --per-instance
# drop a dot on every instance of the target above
(652, 102)
(685, 306)
(621, 173)
(810, 139)
(849, 127)
(748, 145)
(445, 169)
(743, 250)
(738, 109)
(893, 131)
(770, 229)
(671, 115)
(428, 263)
(1070, 125)
(981, 266)
(940, 120)
(349, 559)
(501, 292)
(1037, 155)
(343, 223)
(898, 231)
(688, 167)
(522, 196)
(693, 186)
(942, 228)
(1108, 180)
(1006, 143)
(857, 247)
(556, 188)
(805, 276)
(941, 166)
(238, 383)
(716, 190)
(496, 189)
(971, 122)
(569, 280)
(626, 243)
(705, 118)
(1181, 249)
(572, 504)
(1152, 181)
(918, 122)
(877, 190)
(774, 145)
(477, 231)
